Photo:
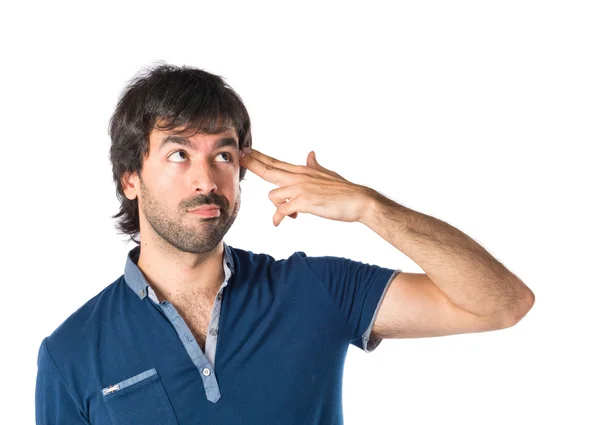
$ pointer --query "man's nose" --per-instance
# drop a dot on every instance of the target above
(203, 179)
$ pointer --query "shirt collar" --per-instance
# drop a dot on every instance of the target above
(137, 282)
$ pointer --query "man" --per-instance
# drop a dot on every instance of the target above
(199, 332)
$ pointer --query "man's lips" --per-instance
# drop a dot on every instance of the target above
(206, 211)
(205, 207)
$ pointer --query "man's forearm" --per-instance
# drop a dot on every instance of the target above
(469, 276)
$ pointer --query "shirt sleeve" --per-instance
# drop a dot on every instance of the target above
(54, 403)
(357, 289)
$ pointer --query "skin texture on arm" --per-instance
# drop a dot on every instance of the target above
(414, 307)
(464, 289)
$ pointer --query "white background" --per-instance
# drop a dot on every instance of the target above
(482, 114)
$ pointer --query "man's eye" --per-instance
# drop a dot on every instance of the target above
(228, 156)
(176, 156)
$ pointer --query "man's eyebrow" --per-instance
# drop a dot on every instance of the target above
(220, 143)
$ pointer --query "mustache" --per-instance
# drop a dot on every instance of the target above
(212, 198)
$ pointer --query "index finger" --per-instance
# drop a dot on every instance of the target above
(267, 172)
(282, 165)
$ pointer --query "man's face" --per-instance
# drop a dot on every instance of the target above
(184, 173)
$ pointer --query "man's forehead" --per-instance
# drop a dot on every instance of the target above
(159, 137)
(188, 134)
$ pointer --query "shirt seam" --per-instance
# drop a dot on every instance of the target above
(64, 380)
(331, 298)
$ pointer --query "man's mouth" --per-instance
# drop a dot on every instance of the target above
(206, 211)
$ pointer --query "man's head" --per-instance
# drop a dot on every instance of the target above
(175, 136)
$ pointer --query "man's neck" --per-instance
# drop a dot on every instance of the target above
(172, 273)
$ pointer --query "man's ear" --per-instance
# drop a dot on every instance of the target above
(130, 182)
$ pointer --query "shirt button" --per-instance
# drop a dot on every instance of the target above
(142, 293)
(213, 332)
(206, 371)
(219, 297)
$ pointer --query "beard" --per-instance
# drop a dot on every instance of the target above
(203, 234)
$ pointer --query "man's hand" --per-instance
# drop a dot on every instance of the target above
(308, 189)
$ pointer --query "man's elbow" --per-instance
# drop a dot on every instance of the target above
(522, 307)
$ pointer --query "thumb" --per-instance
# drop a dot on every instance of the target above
(311, 161)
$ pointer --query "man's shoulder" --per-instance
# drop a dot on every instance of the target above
(84, 321)
(249, 255)
(250, 259)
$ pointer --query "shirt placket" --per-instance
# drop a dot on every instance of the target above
(204, 362)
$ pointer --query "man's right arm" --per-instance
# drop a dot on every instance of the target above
(54, 402)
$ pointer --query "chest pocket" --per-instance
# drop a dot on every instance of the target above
(140, 399)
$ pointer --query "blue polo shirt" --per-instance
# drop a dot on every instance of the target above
(276, 344)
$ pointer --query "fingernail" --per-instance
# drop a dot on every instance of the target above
(247, 150)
